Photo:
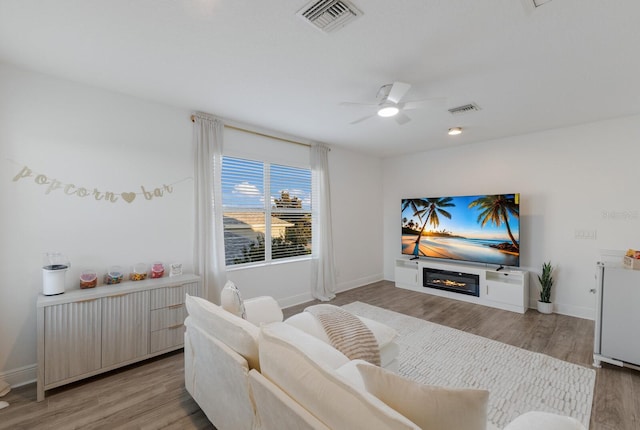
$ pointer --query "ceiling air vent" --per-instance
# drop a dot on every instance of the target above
(329, 15)
(471, 107)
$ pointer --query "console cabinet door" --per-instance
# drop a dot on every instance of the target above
(72, 346)
(125, 327)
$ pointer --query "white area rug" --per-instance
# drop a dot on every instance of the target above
(518, 380)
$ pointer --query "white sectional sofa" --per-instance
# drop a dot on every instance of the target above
(278, 376)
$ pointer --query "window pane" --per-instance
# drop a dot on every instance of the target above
(243, 237)
(291, 234)
(295, 183)
(291, 211)
(242, 183)
(243, 210)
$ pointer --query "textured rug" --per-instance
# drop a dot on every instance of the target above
(518, 380)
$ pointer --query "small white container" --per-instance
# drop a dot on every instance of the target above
(53, 273)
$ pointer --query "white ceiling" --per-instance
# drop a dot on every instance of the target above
(566, 62)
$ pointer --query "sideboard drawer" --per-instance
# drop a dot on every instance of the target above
(168, 317)
(167, 338)
(175, 295)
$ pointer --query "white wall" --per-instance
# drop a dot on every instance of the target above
(356, 203)
(92, 138)
(576, 178)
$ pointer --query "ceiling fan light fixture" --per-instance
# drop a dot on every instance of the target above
(454, 131)
(388, 111)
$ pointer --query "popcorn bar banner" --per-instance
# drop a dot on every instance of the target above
(52, 185)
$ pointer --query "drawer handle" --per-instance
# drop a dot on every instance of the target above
(175, 326)
(175, 306)
(86, 300)
(118, 295)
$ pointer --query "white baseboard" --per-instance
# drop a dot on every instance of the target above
(20, 376)
(568, 310)
(575, 311)
(356, 283)
(287, 302)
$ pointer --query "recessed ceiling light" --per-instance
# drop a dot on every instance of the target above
(388, 111)
(454, 131)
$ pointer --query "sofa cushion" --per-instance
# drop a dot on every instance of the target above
(351, 373)
(263, 310)
(298, 364)
(231, 300)
(233, 331)
(431, 407)
(297, 340)
(308, 323)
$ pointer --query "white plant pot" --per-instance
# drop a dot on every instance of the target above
(545, 308)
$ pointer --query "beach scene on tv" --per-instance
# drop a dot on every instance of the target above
(482, 229)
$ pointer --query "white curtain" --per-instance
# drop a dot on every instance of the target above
(323, 279)
(209, 232)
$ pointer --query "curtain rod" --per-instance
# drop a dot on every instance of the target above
(232, 127)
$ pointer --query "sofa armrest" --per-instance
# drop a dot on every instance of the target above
(263, 309)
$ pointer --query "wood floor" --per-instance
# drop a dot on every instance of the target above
(151, 395)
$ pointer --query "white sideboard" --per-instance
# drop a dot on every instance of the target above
(82, 333)
(506, 289)
(617, 316)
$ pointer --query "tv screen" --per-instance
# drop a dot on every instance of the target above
(481, 229)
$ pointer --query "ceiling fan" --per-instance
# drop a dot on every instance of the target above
(390, 103)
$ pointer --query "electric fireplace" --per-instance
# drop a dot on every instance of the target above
(457, 282)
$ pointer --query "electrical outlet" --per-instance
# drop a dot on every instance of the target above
(586, 234)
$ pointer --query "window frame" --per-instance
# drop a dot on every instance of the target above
(268, 209)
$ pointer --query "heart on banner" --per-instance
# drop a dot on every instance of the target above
(128, 197)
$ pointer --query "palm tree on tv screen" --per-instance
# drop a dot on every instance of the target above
(496, 209)
(431, 208)
(415, 205)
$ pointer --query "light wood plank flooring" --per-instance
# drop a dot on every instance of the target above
(151, 395)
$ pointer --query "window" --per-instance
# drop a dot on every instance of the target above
(265, 200)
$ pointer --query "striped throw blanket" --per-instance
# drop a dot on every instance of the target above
(347, 333)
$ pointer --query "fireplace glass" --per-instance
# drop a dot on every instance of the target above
(457, 282)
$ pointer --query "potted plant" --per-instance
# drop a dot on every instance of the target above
(546, 282)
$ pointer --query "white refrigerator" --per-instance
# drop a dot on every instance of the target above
(617, 329)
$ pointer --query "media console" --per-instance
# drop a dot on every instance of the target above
(506, 289)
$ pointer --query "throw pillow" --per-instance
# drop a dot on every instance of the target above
(231, 300)
(430, 407)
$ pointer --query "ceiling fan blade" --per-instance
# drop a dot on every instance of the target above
(362, 119)
(402, 118)
(397, 91)
(438, 102)
(358, 104)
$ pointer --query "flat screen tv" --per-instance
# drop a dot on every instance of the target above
(480, 229)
